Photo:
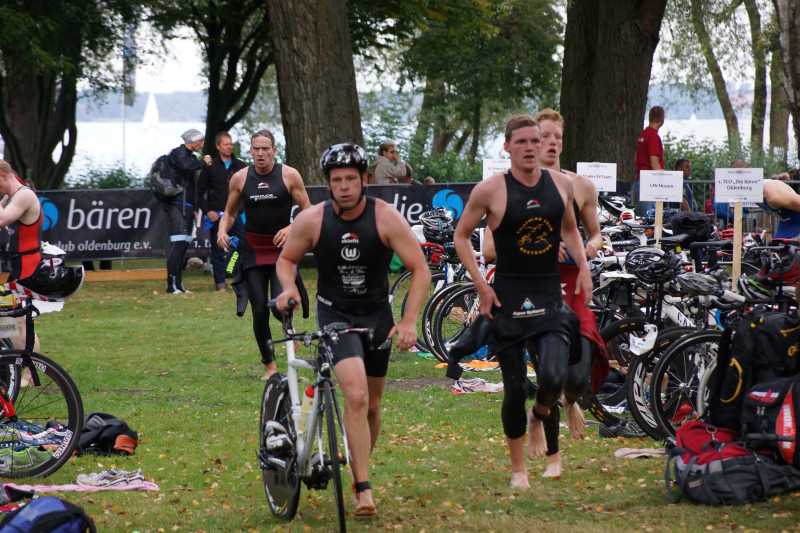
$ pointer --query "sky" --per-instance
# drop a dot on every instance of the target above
(180, 71)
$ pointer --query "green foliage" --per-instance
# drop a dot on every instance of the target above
(114, 176)
(385, 116)
(448, 167)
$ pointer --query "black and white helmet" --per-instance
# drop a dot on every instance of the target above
(343, 155)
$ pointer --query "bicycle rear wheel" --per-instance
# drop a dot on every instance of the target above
(334, 458)
(47, 422)
(677, 377)
(278, 473)
(453, 319)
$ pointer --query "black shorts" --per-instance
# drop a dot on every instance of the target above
(180, 219)
(376, 357)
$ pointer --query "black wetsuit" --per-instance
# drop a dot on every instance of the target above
(267, 208)
(180, 214)
(528, 284)
(352, 287)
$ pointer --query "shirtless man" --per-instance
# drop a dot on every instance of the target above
(266, 189)
(551, 124)
(526, 300)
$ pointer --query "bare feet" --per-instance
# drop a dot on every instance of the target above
(269, 370)
(519, 480)
(553, 466)
(537, 445)
(575, 420)
(365, 505)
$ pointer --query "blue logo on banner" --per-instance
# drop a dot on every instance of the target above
(50, 212)
(451, 200)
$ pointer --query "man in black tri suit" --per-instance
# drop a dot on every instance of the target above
(266, 189)
(353, 237)
(524, 209)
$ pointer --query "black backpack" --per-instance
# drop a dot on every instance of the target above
(47, 514)
(762, 346)
(769, 418)
(163, 183)
(105, 434)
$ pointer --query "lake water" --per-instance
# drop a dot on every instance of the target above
(138, 144)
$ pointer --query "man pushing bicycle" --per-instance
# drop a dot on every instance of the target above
(352, 237)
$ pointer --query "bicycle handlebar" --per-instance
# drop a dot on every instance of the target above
(307, 338)
(25, 307)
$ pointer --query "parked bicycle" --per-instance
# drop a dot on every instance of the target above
(291, 439)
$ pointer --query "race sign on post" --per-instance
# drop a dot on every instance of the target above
(602, 175)
(660, 186)
(493, 166)
(737, 185)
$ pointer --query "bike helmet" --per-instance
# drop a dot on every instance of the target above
(51, 284)
(752, 290)
(697, 284)
(438, 235)
(653, 265)
(343, 155)
(438, 217)
(781, 267)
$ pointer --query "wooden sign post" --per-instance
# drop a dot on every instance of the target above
(738, 185)
(660, 186)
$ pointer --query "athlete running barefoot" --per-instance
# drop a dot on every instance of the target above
(524, 209)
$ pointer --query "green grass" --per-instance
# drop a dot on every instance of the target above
(184, 372)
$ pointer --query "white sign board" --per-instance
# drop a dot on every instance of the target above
(661, 185)
(493, 166)
(738, 185)
(602, 175)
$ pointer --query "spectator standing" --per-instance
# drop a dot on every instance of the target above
(212, 197)
(688, 203)
(649, 154)
(181, 211)
(388, 167)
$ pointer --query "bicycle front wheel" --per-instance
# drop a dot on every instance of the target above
(42, 422)
(278, 468)
(334, 459)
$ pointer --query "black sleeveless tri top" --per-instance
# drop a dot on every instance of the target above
(267, 202)
(527, 241)
(352, 262)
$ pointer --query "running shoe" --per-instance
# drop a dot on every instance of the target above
(22, 457)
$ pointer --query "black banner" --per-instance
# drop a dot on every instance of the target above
(130, 223)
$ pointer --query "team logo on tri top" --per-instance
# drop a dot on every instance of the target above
(350, 253)
(533, 236)
(263, 185)
(527, 310)
(532, 203)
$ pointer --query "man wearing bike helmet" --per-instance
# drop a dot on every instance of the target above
(525, 210)
(267, 190)
(353, 237)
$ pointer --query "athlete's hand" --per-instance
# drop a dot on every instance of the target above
(591, 251)
(282, 236)
(282, 301)
(406, 335)
(563, 255)
(584, 283)
(212, 216)
(488, 299)
(223, 241)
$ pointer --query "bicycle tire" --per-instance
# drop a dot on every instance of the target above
(55, 399)
(603, 404)
(282, 485)
(400, 300)
(429, 314)
(637, 380)
(453, 318)
(674, 386)
(334, 459)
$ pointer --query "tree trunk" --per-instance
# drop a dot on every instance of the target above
(38, 114)
(703, 38)
(476, 133)
(778, 108)
(759, 50)
(424, 123)
(316, 80)
(608, 53)
(787, 12)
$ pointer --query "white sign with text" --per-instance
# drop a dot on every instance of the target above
(661, 185)
(738, 185)
(493, 166)
(602, 175)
